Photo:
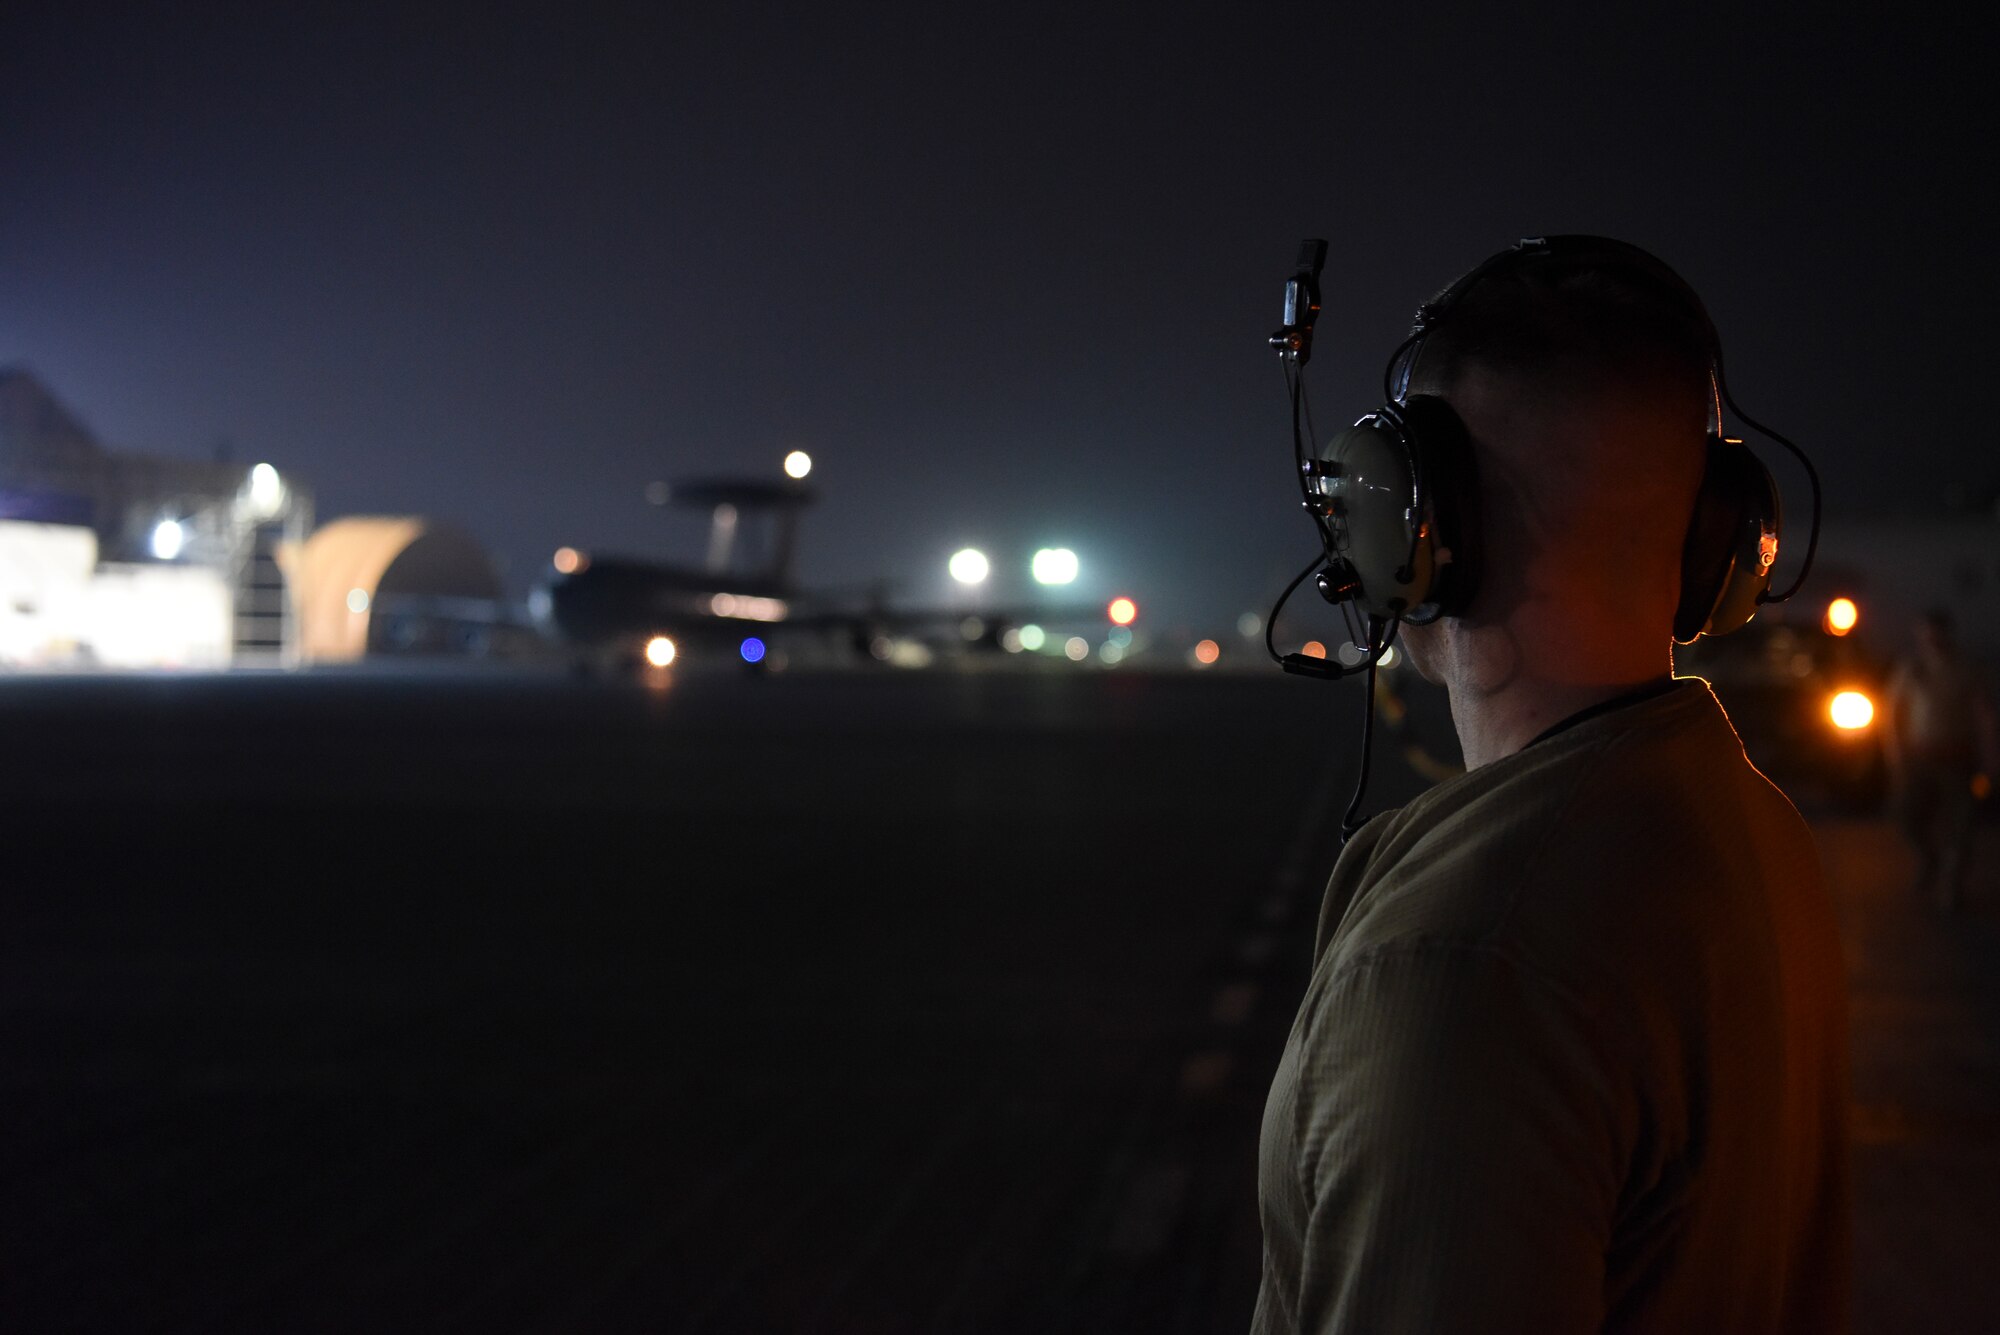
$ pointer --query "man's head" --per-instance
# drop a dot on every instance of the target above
(1584, 384)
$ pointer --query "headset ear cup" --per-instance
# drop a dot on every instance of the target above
(1368, 473)
(1449, 477)
(1731, 543)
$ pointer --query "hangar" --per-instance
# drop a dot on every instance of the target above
(370, 585)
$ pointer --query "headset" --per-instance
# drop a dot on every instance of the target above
(1394, 497)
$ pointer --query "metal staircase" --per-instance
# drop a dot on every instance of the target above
(265, 635)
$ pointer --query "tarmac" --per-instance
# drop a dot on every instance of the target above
(865, 1002)
(1924, 992)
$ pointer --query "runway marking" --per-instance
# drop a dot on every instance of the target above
(1155, 1201)
(1234, 1003)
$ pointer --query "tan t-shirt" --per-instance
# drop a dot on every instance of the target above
(1573, 1055)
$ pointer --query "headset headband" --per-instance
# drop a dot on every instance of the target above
(1585, 252)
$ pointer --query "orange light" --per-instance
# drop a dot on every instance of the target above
(1841, 614)
(568, 560)
(1313, 649)
(1123, 611)
(1207, 652)
(660, 651)
(1851, 711)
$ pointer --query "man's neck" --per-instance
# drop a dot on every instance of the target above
(1493, 725)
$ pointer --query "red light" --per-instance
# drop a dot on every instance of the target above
(1123, 611)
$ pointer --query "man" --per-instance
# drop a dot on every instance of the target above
(1573, 1053)
(1940, 746)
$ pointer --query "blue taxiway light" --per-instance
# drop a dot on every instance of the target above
(752, 650)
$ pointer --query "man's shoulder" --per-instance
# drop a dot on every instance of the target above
(1580, 843)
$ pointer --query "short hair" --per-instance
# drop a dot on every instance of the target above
(1580, 327)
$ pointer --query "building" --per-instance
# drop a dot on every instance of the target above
(126, 560)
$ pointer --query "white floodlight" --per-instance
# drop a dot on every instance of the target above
(969, 566)
(797, 464)
(168, 539)
(267, 491)
(1054, 565)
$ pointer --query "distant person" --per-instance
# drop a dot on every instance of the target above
(1941, 751)
(1573, 1053)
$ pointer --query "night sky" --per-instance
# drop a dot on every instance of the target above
(1005, 272)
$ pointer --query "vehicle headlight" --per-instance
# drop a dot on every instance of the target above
(1851, 711)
